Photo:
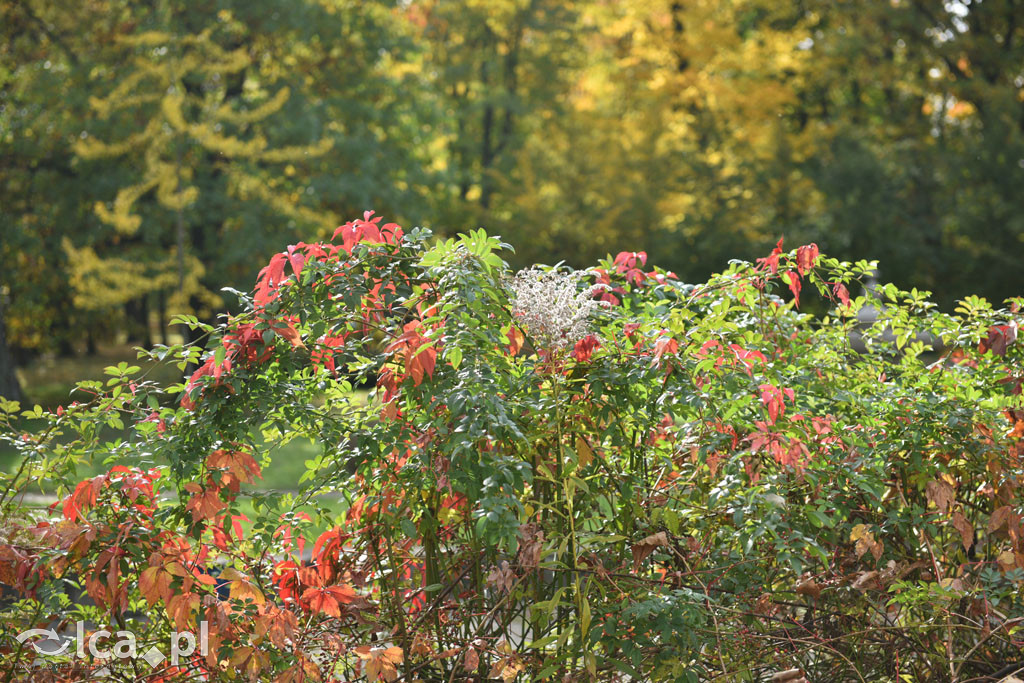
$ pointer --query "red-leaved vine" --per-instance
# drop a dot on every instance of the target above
(553, 475)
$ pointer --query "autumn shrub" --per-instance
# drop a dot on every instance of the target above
(558, 476)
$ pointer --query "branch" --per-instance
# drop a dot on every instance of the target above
(53, 37)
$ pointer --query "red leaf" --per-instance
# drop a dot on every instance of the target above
(585, 348)
(771, 262)
(999, 338)
(774, 400)
(421, 363)
(269, 280)
(296, 258)
(794, 285)
(328, 599)
(286, 330)
(806, 257)
(82, 499)
(840, 292)
(665, 344)
(516, 339)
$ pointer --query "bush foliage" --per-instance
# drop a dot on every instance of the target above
(596, 475)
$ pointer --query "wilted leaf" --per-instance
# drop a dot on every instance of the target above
(809, 587)
(471, 660)
(584, 453)
(966, 529)
(531, 543)
(647, 546)
(865, 541)
(500, 578)
(1007, 560)
(999, 517)
(941, 493)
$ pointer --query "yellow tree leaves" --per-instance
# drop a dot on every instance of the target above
(101, 283)
(191, 124)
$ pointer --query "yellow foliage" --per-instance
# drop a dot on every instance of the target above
(146, 39)
(100, 283)
(91, 148)
(122, 218)
(271, 106)
(294, 153)
(183, 121)
(246, 187)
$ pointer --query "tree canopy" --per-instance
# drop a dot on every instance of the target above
(137, 138)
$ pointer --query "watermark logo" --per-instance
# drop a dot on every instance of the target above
(104, 645)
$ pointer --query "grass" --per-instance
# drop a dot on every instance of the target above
(49, 381)
(287, 464)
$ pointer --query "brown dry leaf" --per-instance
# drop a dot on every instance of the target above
(790, 676)
(471, 660)
(421, 645)
(941, 493)
(863, 581)
(507, 669)
(500, 578)
(1000, 516)
(645, 547)
(1006, 559)
(584, 453)
(865, 540)
(530, 546)
(380, 664)
(809, 587)
(765, 606)
(965, 528)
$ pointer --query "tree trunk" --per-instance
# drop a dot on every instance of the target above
(162, 316)
(10, 388)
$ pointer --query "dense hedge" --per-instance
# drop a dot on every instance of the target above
(592, 475)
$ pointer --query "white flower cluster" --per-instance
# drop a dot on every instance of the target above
(552, 307)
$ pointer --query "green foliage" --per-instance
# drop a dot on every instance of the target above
(557, 476)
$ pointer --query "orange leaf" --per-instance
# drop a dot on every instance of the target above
(154, 584)
(239, 463)
(204, 503)
(516, 339)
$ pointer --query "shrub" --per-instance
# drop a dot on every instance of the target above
(558, 475)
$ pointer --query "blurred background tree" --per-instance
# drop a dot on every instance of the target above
(155, 152)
